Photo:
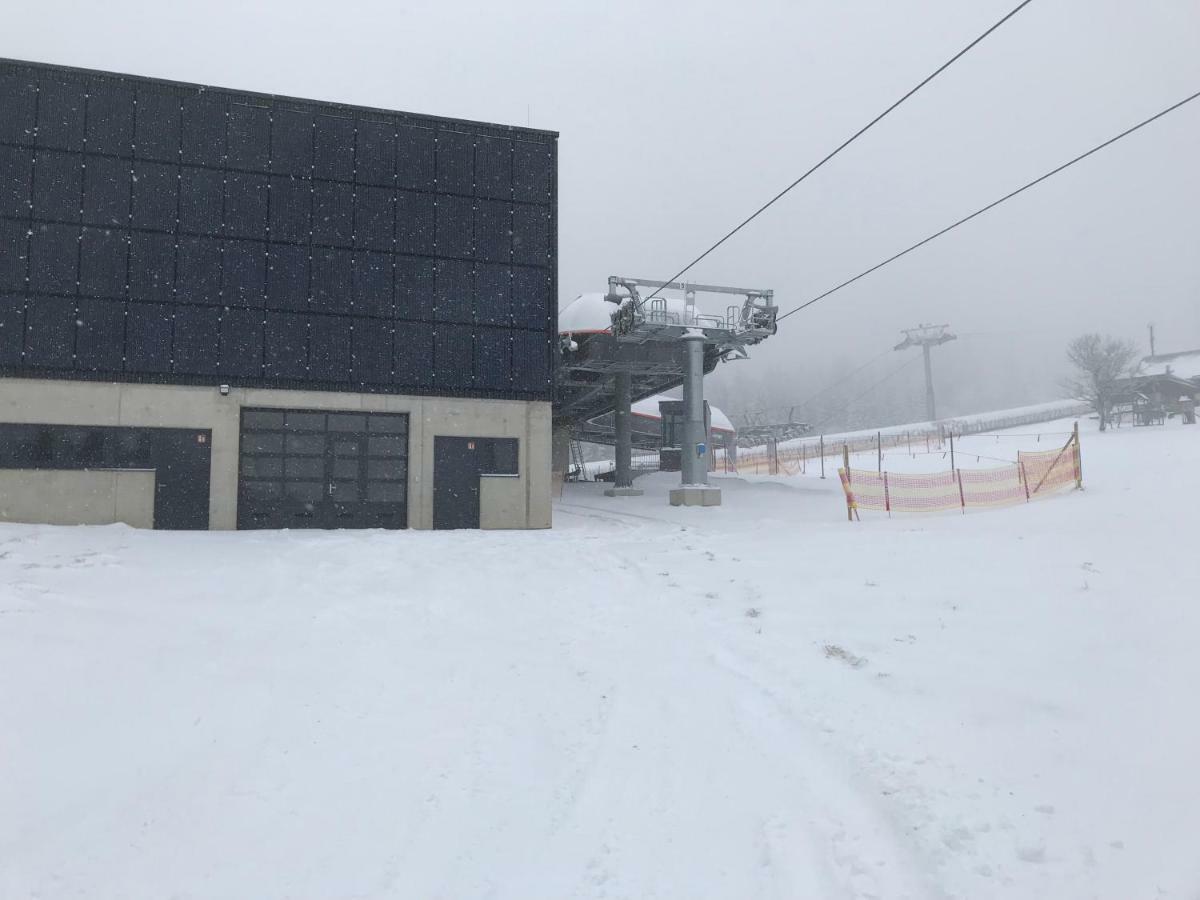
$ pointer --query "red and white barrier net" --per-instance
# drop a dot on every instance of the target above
(1033, 476)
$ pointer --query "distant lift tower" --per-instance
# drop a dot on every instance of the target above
(925, 337)
(671, 330)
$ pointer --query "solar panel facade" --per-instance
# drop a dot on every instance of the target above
(173, 233)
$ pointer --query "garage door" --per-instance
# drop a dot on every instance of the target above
(303, 468)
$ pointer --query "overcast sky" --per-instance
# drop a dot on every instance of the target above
(678, 118)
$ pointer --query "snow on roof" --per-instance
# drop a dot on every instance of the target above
(647, 408)
(591, 313)
(1184, 365)
(587, 313)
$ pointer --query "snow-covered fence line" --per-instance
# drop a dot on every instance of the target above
(792, 457)
(1035, 475)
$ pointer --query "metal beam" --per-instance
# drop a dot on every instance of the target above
(687, 286)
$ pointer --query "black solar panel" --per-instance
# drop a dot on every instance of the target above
(168, 232)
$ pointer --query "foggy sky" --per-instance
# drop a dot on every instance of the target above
(679, 118)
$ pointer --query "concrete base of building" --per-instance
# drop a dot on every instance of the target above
(520, 501)
(623, 492)
(696, 495)
(77, 497)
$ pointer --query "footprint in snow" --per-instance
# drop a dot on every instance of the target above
(1032, 852)
(833, 651)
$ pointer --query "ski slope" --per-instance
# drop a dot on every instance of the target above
(754, 701)
(971, 451)
(1040, 413)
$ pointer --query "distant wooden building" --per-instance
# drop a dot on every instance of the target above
(1165, 385)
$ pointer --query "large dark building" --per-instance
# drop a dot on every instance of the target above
(224, 309)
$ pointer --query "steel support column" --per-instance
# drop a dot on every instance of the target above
(928, 337)
(623, 400)
(930, 406)
(693, 462)
(623, 428)
(694, 489)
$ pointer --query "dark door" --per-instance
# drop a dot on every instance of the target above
(315, 469)
(457, 464)
(180, 458)
(455, 483)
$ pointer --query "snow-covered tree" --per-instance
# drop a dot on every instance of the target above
(1101, 363)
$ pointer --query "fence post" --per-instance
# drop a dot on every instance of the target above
(822, 456)
(879, 449)
(1078, 460)
(848, 486)
(1025, 481)
(961, 497)
(952, 466)
(1066, 446)
(887, 496)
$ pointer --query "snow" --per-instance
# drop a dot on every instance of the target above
(758, 700)
(1185, 365)
(1041, 412)
(586, 313)
(972, 451)
(590, 313)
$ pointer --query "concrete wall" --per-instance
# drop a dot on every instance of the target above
(500, 500)
(57, 402)
(78, 496)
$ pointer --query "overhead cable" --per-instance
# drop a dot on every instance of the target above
(842, 146)
(992, 205)
(838, 382)
(849, 403)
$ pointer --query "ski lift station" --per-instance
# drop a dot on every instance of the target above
(222, 309)
(620, 351)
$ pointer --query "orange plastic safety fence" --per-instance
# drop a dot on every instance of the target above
(888, 491)
(1050, 470)
(1035, 475)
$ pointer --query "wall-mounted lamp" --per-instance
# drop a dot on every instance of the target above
(224, 389)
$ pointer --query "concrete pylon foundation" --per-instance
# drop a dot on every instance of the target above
(696, 495)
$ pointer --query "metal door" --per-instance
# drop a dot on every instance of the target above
(318, 469)
(457, 464)
(455, 482)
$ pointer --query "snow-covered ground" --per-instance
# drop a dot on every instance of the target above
(759, 700)
(971, 451)
(1038, 412)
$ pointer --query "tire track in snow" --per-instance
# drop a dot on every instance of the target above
(713, 768)
(867, 855)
